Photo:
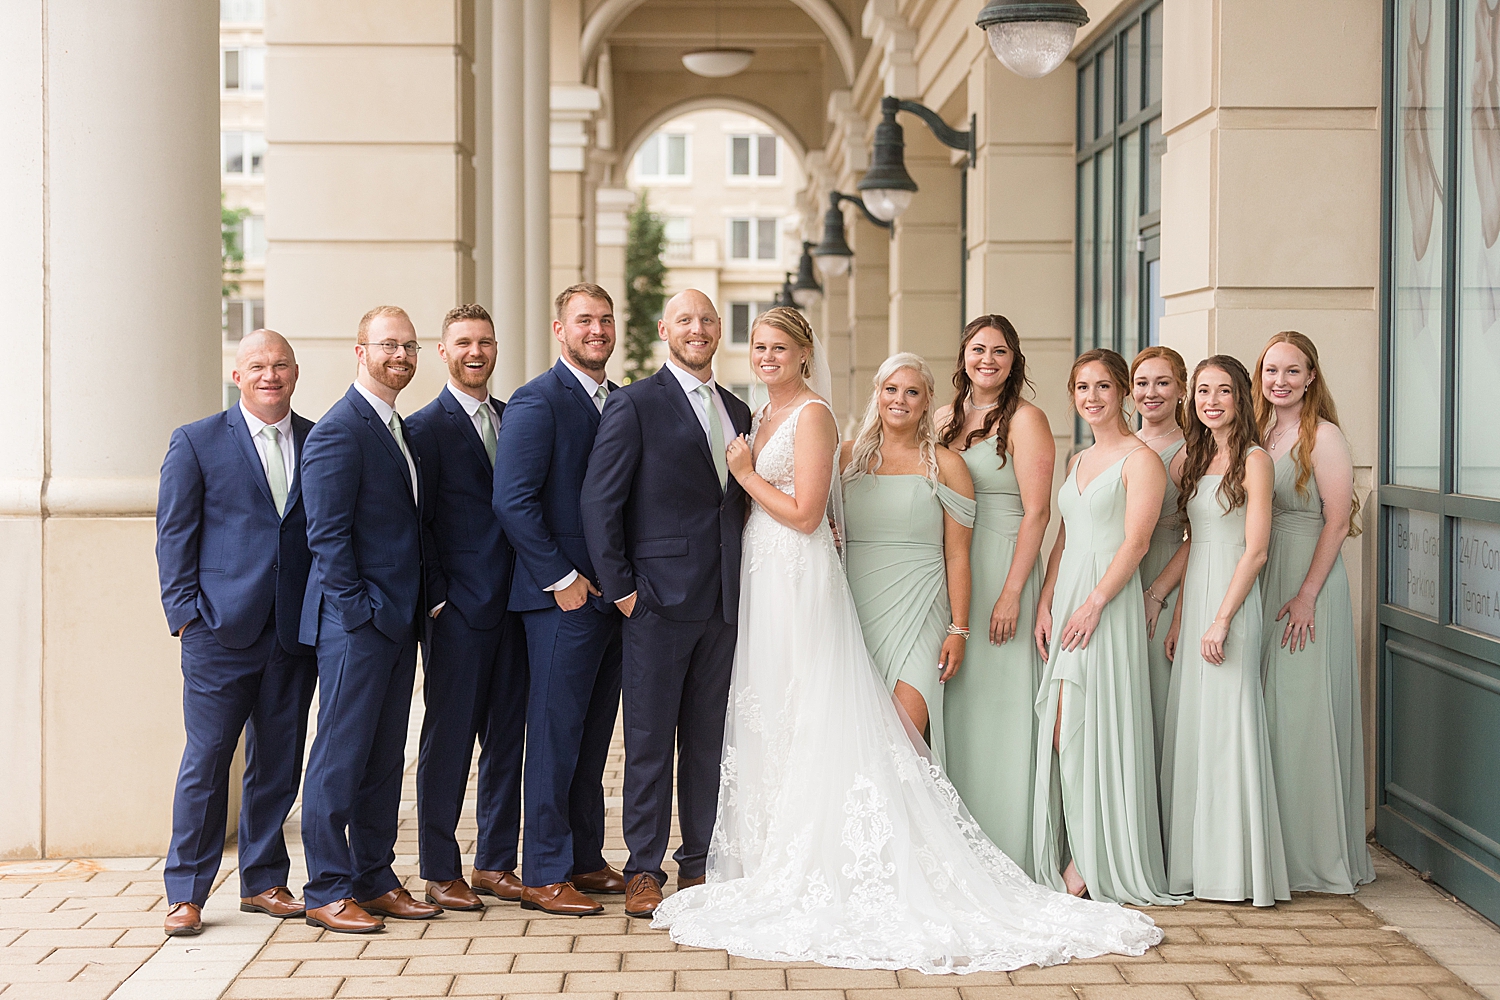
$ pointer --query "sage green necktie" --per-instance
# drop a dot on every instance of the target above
(600, 395)
(715, 434)
(487, 431)
(395, 425)
(275, 468)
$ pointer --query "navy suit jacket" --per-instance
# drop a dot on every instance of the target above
(542, 456)
(657, 521)
(222, 552)
(363, 527)
(467, 547)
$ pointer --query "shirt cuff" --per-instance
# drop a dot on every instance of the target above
(436, 609)
(628, 596)
(564, 583)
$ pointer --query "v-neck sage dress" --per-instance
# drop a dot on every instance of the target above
(1166, 539)
(1218, 793)
(1313, 704)
(990, 708)
(1094, 799)
(899, 578)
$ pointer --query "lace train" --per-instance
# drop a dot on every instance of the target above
(836, 840)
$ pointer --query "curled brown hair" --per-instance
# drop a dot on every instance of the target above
(1200, 449)
(792, 323)
(585, 288)
(1317, 406)
(459, 314)
(1179, 372)
(1118, 370)
(997, 420)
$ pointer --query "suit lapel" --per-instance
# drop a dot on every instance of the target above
(679, 402)
(465, 425)
(383, 434)
(572, 387)
(240, 431)
(300, 428)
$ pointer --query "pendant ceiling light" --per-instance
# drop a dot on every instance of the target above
(718, 61)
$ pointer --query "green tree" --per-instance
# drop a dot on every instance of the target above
(644, 291)
(232, 253)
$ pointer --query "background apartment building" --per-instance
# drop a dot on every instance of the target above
(242, 165)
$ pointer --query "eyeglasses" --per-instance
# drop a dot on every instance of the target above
(391, 347)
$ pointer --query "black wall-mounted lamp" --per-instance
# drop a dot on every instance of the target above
(806, 293)
(1032, 38)
(887, 187)
(832, 253)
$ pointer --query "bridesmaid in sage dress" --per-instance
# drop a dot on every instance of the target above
(1218, 794)
(1159, 387)
(989, 713)
(1308, 665)
(908, 518)
(1094, 805)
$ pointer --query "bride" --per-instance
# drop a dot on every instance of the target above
(838, 840)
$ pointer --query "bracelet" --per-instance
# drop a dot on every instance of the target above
(1158, 600)
(958, 630)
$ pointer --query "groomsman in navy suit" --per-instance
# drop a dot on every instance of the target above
(573, 635)
(474, 660)
(365, 596)
(231, 551)
(664, 519)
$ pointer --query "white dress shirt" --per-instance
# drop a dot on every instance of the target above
(471, 407)
(590, 384)
(383, 411)
(284, 434)
(690, 384)
(590, 387)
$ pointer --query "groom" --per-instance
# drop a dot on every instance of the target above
(663, 520)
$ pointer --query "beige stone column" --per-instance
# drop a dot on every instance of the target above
(508, 194)
(536, 126)
(369, 178)
(925, 258)
(833, 325)
(110, 119)
(611, 232)
(869, 292)
(1021, 212)
(1271, 202)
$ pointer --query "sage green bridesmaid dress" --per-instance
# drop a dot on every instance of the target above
(1166, 539)
(990, 709)
(899, 579)
(1313, 705)
(1095, 799)
(1218, 795)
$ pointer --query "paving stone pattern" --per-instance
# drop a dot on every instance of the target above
(77, 930)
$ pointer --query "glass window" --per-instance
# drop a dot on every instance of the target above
(1414, 543)
(739, 322)
(1107, 221)
(254, 59)
(1478, 367)
(1417, 245)
(766, 155)
(1086, 120)
(1130, 91)
(752, 156)
(739, 156)
(255, 151)
(231, 394)
(1085, 256)
(231, 69)
(676, 156)
(1130, 237)
(253, 239)
(662, 156)
(257, 314)
(1477, 596)
(234, 321)
(739, 239)
(1156, 146)
(1151, 26)
(648, 160)
(765, 239)
(232, 152)
(1106, 90)
(242, 11)
(1158, 305)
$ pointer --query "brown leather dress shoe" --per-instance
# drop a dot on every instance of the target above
(559, 898)
(278, 902)
(454, 895)
(344, 916)
(688, 883)
(606, 880)
(183, 920)
(501, 885)
(642, 896)
(400, 904)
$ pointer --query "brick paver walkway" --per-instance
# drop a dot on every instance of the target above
(78, 929)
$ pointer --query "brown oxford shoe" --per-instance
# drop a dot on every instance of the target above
(183, 920)
(400, 904)
(501, 885)
(454, 895)
(344, 916)
(278, 902)
(688, 883)
(642, 896)
(560, 899)
(606, 880)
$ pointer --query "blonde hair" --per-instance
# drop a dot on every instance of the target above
(794, 325)
(864, 453)
(1317, 406)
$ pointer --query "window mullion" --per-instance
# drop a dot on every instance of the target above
(1447, 477)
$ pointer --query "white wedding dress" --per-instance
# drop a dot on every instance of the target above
(836, 840)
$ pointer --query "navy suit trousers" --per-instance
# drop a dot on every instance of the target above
(570, 718)
(265, 692)
(676, 679)
(473, 687)
(353, 778)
